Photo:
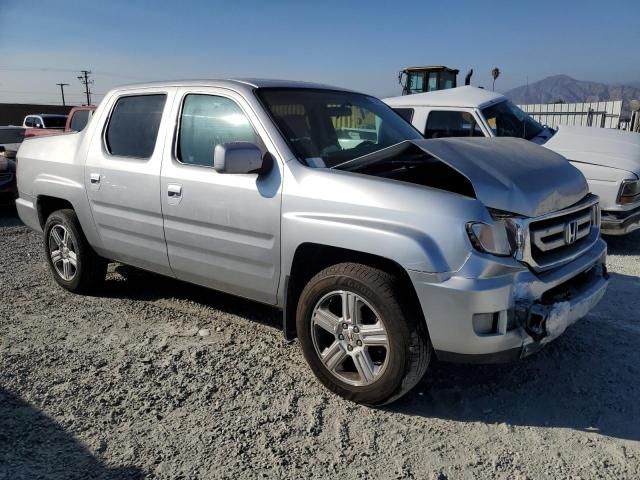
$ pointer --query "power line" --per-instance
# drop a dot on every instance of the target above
(35, 69)
(27, 92)
(65, 70)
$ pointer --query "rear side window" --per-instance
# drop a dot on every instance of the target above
(54, 122)
(442, 124)
(79, 120)
(133, 127)
(406, 113)
(207, 121)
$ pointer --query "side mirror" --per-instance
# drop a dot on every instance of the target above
(237, 157)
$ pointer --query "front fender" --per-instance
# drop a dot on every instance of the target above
(419, 228)
(404, 244)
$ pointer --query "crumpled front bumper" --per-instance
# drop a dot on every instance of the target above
(528, 310)
(620, 222)
(547, 319)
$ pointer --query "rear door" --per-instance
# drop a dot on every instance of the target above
(222, 230)
(122, 177)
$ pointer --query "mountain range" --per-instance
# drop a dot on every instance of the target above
(563, 88)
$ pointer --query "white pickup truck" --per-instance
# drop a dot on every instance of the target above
(609, 159)
(380, 247)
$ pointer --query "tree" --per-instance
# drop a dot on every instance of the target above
(495, 73)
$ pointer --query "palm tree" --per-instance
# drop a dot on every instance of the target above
(495, 73)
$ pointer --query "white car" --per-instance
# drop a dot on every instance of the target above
(609, 159)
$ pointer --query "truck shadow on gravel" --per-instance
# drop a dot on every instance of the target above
(135, 284)
(624, 245)
(586, 380)
(32, 445)
(8, 214)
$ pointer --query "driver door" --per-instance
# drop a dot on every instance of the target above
(222, 230)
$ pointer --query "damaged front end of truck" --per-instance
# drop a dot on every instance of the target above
(537, 268)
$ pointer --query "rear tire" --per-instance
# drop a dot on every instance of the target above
(362, 337)
(74, 264)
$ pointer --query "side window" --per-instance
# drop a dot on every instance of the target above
(207, 121)
(29, 122)
(133, 126)
(79, 120)
(441, 124)
(406, 113)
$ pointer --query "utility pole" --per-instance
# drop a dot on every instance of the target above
(84, 79)
(62, 85)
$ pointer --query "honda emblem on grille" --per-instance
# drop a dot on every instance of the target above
(570, 232)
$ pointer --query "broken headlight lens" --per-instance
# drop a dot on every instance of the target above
(498, 238)
(629, 192)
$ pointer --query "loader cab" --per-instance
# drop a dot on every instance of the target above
(427, 79)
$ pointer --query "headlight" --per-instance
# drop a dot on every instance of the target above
(629, 192)
(498, 238)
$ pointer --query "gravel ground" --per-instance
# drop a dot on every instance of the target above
(160, 379)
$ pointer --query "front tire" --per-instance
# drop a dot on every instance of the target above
(358, 339)
(74, 264)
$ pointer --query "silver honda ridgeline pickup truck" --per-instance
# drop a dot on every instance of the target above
(379, 246)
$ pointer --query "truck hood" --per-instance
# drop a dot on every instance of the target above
(598, 146)
(507, 174)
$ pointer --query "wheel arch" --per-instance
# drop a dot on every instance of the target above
(310, 258)
(47, 204)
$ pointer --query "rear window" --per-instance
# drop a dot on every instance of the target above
(11, 135)
(79, 120)
(54, 122)
(134, 124)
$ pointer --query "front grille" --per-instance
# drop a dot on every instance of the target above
(561, 232)
(561, 236)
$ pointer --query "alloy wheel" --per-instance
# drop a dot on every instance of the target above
(350, 338)
(62, 250)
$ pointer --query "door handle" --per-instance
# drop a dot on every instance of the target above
(95, 178)
(174, 190)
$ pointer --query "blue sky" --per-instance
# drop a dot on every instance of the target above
(360, 45)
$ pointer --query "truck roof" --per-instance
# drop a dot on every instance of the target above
(241, 84)
(466, 96)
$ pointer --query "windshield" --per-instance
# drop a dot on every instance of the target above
(507, 120)
(54, 121)
(325, 128)
(11, 135)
